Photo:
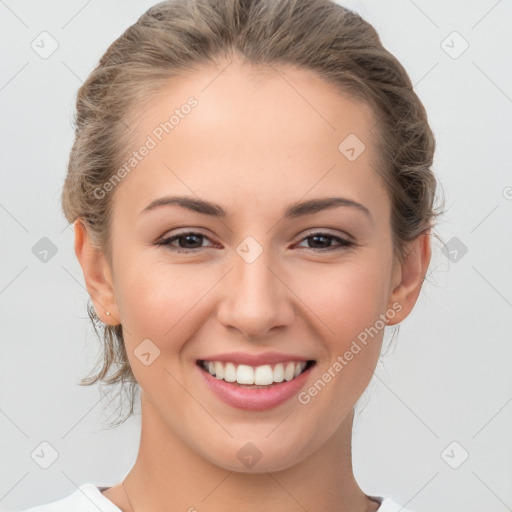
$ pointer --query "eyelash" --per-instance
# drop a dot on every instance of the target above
(343, 242)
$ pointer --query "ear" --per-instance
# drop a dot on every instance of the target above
(97, 275)
(408, 277)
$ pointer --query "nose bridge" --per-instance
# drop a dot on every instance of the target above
(254, 277)
(256, 299)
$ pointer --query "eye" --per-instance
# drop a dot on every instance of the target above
(192, 241)
(189, 241)
(322, 242)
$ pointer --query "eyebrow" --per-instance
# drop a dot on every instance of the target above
(309, 207)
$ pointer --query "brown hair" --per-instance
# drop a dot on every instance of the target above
(177, 36)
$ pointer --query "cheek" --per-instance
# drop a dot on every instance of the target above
(159, 303)
(158, 300)
(348, 300)
(348, 297)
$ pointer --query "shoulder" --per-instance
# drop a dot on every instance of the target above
(87, 498)
(388, 505)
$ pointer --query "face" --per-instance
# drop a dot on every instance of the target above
(253, 286)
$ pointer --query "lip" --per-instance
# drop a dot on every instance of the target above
(255, 359)
(255, 399)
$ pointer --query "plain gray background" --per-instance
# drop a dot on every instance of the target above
(443, 393)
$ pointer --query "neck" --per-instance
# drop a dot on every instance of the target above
(167, 472)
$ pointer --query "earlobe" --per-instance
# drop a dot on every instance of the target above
(97, 276)
(411, 274)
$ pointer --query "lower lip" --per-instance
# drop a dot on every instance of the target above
(255, 399)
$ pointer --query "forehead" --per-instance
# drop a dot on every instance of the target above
(240, 130)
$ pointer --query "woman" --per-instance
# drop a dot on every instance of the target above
(252, 198)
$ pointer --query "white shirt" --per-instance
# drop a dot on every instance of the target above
(88, 498)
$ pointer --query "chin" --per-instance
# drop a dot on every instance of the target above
(258, 455)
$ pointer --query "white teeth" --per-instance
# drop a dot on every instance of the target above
(244, 374)
(289, 371)
(219, 370)
(278, 373)
(229, 372)
(263, 375)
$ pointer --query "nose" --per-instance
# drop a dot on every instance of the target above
(256, 298)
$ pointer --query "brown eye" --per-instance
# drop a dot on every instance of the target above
(188, 241)
(322, 242)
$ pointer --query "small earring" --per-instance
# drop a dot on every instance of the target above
(107, 313)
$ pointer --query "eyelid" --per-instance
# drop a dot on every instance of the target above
(164, 240)
(325, 231)
(343, 240)
(185, 231)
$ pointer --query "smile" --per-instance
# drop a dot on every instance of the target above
(254, 387)
(255, 376)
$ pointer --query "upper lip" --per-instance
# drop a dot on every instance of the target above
(255, 359)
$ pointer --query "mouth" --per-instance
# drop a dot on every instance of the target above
(254, 388)
(255, 377)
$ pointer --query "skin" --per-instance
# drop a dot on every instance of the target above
(257, 142)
